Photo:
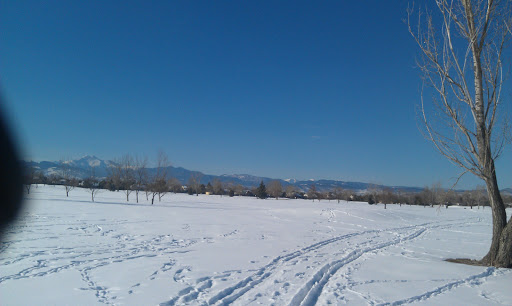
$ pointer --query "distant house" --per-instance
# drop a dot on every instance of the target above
(208, 193)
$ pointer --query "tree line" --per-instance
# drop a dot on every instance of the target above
(131, 176)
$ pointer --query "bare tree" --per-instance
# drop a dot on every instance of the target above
(291, 191)
(160, 180)
(230, 186)
(194, 182)
(480, 196)
(115, 170)
(70, 182)
(449, 197)
(435, 194)
(387, 196)
(275, 189)
(312, 193)
(91, 184)
(157, 187)
(461, 61)
(468, 197)
(217, 187)
(39, 178)
(28, 177)
(175, 185)
(239, 189)
(127, 175)
(338, 193)
(141, 175)
(373, 194)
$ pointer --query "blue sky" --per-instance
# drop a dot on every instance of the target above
(296, 89)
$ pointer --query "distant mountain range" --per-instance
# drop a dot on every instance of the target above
(82, 168)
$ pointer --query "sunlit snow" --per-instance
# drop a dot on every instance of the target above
(245, 251)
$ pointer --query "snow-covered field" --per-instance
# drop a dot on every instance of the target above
(221, 250)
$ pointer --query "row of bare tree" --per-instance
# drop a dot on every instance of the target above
(130, 175)
(430, 196)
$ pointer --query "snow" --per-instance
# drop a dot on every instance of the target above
(219, 250)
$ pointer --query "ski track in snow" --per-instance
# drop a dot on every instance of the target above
(309, 293)
(473, 280)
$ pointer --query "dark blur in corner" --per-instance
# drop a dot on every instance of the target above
(11, 176)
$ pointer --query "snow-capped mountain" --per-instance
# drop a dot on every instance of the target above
(80, 168)
(88, 161)
(83, 167)
(254, 180)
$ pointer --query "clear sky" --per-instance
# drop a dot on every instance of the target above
(296, 89)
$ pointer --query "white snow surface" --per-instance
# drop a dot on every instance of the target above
(216, 250)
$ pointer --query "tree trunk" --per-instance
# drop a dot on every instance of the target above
(500, 252)
(137, 196)
(504, 256)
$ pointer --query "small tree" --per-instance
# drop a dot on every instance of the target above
(141, 175)
(217, 187)
(175, 185)
(387, 196)
(70, 182)
(127, 176)
(275, 189)
(238, 189)
(261, 191)
(115, 173)
(158, 187)
(480, 196)
(469, 199)
(291, 192)
(194, 182)
(91, 184)
(338, 193)
(160, 180)
(312, 193)
(28, 177)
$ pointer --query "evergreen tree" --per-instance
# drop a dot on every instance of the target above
(261, 192)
